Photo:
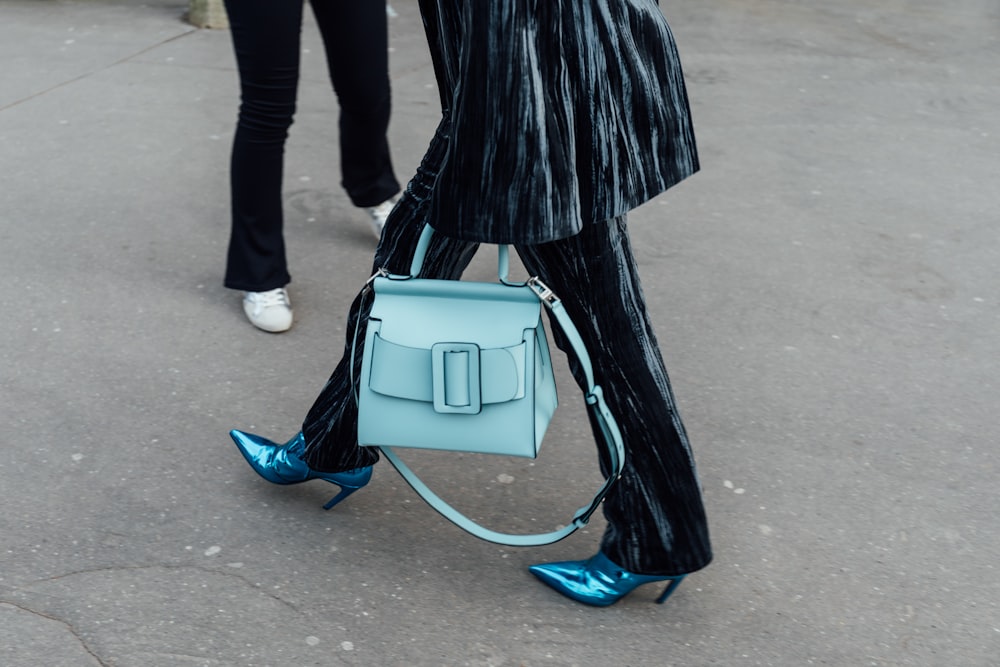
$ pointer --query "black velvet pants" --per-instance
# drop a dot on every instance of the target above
(266, 40)
(656, 519)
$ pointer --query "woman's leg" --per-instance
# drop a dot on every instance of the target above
(656, 520)
(266, 42)
(355, 34)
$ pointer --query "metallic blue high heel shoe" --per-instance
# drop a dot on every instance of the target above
(281, 464)
(598, 581)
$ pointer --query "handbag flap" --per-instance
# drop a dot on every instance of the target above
(421, 312)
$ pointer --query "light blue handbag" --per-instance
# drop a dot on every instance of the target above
(464, 366)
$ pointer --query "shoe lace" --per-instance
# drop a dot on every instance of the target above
(275, 297)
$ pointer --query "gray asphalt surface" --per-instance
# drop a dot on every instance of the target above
(825, 293)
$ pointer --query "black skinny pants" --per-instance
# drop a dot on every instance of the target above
(266, 39)
(656, 519)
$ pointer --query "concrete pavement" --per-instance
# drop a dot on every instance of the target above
(825, 293)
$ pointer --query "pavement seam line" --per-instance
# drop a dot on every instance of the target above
(85, 75)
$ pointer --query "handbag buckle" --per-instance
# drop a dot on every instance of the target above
(455, 378)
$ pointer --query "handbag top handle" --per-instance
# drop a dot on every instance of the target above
(503, 255)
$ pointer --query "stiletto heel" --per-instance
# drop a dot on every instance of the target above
(344, 492)
(282, 464)
(674, 583)
(347, 484)
(598, 581)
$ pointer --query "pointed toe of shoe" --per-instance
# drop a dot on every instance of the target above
(570, 579)
(268, 459)
(555, 576)
(246, 441)
(552, 571)
(253, 447)
(543, 572)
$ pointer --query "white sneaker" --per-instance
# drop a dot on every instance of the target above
(380, 213)
(270, 311)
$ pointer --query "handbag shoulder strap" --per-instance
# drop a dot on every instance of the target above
(608, 426)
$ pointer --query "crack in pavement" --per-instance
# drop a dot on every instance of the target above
(9, 591)
(163, 566)
(69, 626)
